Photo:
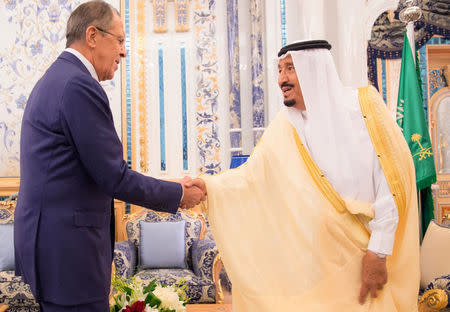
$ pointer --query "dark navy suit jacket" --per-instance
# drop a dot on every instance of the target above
(71, 168)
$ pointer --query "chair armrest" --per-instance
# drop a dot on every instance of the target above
(433, 300)
(207, 264)
(124, 258)
(436, 295)
(203, 253)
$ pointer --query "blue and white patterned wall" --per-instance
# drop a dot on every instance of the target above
(33, 35)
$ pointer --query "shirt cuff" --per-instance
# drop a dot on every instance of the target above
(381, 242)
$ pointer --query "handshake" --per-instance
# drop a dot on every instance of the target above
(194, 192)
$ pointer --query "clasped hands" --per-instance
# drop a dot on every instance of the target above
(194, 192)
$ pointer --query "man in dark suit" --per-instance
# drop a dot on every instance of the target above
(72, 168)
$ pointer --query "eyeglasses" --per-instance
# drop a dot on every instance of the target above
(120, 39)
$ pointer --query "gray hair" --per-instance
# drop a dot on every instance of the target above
(97, 13)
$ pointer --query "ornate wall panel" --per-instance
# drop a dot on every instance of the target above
(207, 89)
(234, 77)
(35, 36)
(172, 116)
(256, 40)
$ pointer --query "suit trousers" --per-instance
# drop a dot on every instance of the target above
(99, 306)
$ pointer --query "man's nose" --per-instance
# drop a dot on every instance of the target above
(282, 77)
(123, 51)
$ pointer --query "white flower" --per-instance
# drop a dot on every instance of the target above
(149, 309)
(169, 298)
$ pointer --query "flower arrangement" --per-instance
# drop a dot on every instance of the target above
(132, 296)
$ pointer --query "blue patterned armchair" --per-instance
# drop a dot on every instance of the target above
(13, 291)
(203, 261)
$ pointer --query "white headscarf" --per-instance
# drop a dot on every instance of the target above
(333, 115)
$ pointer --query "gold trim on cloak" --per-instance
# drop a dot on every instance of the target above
(324, 185)
(379, 136)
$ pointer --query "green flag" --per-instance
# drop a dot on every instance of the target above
(411, 118)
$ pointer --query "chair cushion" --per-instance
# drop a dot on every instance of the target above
(199, 290)
(15, 293)
(6, 247)
(434, 253)
(193, 228)
(162, 245)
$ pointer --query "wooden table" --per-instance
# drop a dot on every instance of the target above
(208, 307)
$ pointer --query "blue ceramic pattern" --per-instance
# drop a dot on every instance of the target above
(34, 37)
(125, 261)
(437, 81)
(283, 22)
(203, 253)
(162, 123)
(207, 89)
(234, 74)
(256, 28)
(183, 105)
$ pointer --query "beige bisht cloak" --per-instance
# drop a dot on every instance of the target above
(290, 243)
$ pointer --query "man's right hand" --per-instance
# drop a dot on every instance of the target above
(198, 182)
(192, 194)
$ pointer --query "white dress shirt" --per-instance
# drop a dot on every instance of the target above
(85, 62)
(374, 190)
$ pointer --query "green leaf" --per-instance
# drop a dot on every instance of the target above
(128, 290)
(150, 287)
(152, 300)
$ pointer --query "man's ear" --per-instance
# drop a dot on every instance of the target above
(91, 36)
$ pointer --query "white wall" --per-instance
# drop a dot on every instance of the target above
(346, 25)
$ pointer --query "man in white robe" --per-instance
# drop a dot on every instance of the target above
(309, 223)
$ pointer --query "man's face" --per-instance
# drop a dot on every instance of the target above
(289, 85)
(109, 49)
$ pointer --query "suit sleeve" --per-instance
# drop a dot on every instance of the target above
(88, 123)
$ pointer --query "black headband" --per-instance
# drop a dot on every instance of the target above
(305, 45)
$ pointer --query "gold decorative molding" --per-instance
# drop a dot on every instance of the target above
(9, 186)
(160, 16)
(142, 90)
(9, 205)
(181, 15)
(217, 268)
(433, 300)
(446, 71)
(444, 188)
(3, 308)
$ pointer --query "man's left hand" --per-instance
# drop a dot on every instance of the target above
(374, 275)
